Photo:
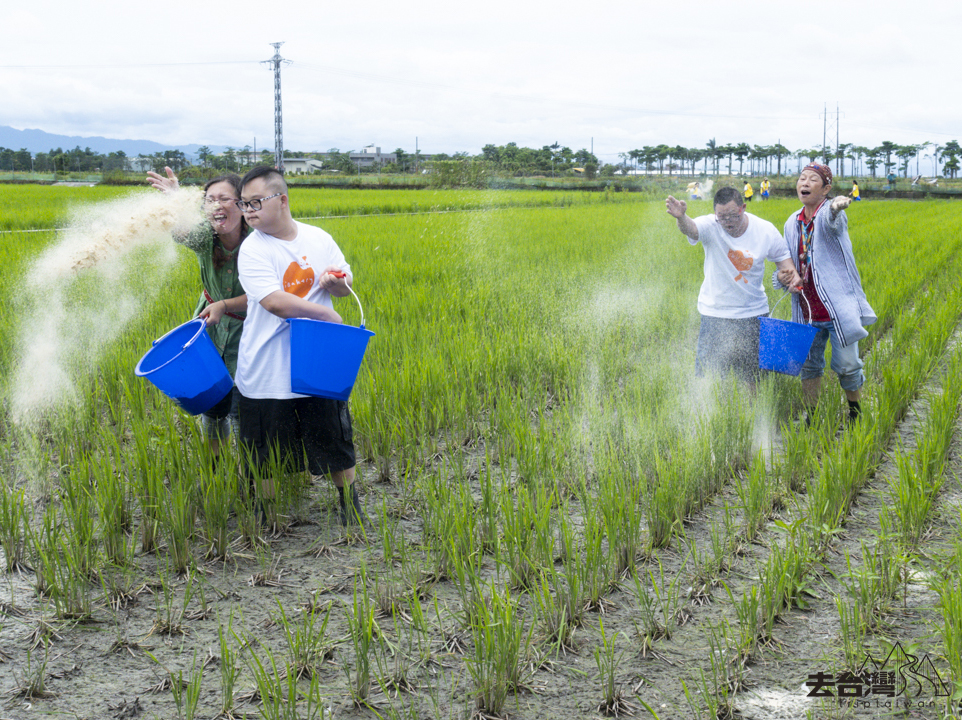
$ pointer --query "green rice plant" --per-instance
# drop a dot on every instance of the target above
(278, 688)
(595, 565)
(661, 609)
(229, 671)
(708, 566)
(799, 459)
(873, 585)
(216, 495)
(187, 693)
(501, 644)
(619, 497)
(364, 633)
(419, 624)
(180, 519)
(665, 507)
(853, 626)
(559, 596)
(449, 521)
(912, 494)
(31, 680)
(726, 678)
(78, 508)
(608, 659)
(393, 544)
(306, 639)
(113, 500)
(730, 429)
(783, 579)
(394, 672)
(170, 614)
(14, 526)
(489, 514)
(61, 568)
(950, 602)
(747, 609)
(755, 496)
(789, 565)
(520, 512)
(466, 575)
(150, 488)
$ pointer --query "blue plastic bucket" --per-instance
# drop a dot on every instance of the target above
(326, 357)
(185, 365)
(783, 345)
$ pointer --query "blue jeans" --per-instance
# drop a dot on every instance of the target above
(845, 360)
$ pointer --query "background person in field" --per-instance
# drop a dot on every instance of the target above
(731, 298)
(765, 187)
(286, 268)
(748, 191)
(223, 302)
(817, 238)
(856, 194)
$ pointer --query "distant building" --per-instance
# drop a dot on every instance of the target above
(371, 156)
(296, 166)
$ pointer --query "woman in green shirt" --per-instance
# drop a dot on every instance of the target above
(223, 302)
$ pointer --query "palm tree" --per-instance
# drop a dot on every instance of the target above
(887, 148)
(728, 150)
(740, 151)
(203, 154)
(779, 151)
(840, 155)
(713, 153)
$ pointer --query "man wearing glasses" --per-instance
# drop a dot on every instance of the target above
(289, 270)
(732, 298)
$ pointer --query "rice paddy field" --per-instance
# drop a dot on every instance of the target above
(565, 522)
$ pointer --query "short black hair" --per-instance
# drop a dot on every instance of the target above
(272, 176)
(725, 195)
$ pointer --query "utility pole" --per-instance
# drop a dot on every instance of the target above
(276, 62)
(838, 159)
(824, 128)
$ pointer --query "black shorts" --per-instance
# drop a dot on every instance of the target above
(728, 345)
(317, 429)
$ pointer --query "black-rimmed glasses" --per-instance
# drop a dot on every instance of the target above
(254, 204)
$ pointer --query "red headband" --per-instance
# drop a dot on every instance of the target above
(823, 171)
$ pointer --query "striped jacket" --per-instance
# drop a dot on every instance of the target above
(834, 273)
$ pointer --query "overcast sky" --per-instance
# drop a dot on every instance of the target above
(456, 76)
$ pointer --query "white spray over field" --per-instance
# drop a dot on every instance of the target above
(63, 335)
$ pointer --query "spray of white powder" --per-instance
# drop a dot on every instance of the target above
(62, 336)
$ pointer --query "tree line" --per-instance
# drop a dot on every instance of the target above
(849, 159)
(511, 159)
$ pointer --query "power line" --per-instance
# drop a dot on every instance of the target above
(107, 66)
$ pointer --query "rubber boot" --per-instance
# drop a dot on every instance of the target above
(350, 511)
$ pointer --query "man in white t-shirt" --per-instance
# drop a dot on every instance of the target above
(732, 297)
(288, 271)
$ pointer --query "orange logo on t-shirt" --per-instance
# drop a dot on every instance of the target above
(298, 280)
(741, 262)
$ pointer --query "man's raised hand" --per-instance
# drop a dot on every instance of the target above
(676, 208)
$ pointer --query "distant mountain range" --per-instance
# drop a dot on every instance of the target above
(39, 141)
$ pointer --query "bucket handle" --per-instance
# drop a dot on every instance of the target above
(340, 274)
(170, 332)
(802, 295)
